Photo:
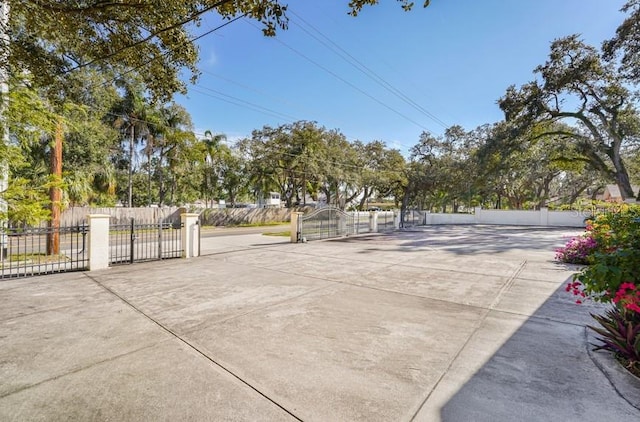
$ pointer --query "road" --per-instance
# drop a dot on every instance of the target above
(237, 231)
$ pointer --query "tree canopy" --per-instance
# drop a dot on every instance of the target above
(50, 39)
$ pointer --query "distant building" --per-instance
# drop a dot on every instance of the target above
(612, 193)
(272, 200)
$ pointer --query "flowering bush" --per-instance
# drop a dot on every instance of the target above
(615, 258)
(578, 250)
(575, 287)
(628, 297)
(613, 275)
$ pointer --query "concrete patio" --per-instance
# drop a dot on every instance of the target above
(451, 323)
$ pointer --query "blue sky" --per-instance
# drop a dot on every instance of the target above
(449, 63)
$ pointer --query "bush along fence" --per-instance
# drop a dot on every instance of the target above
(610, 251)
(96, 244)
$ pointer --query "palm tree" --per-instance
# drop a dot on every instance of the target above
(212, 144)
(174, 140)
(131, 112)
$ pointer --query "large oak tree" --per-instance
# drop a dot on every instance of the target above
(578, 87)
(52, 38)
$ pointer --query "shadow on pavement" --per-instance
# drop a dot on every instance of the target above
(466, 240)
(542, 372)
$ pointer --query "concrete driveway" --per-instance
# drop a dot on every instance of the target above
(452, 323)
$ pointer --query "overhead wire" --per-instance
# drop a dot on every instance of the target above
(243, 103)
(204, 34)
(152, 35)
(340, 78)
(320, 10)
(367, 71)
(231, 99)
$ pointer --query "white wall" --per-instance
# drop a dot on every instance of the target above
(543, 217)
(567, 218)
(451, 219)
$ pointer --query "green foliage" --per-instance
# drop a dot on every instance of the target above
(577, 85)
(26, 204)
(620, 333)
(51, 39)
(617, 258)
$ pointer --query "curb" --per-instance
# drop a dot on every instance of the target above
(625, 383)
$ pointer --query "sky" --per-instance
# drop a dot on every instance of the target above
(405, 73)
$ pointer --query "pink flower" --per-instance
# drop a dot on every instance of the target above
(633, 307)
(627, 286)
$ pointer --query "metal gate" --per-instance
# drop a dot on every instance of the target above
(137, 242)
(25, 251)
(413, 218)
(386, 221)
(325, 223)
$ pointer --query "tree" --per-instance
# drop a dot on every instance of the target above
(339, 176)
(174, 140)
(380, 169)
(290, 158)
(131, 113)
(50, 38)
(231, 167)
(212, 145)
(577, 86)
(626, 43)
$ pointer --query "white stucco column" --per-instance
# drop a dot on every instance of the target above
(396, 219)
(190, 235)
(373, 221)
(295, 219)
(477, 214)
(98, 241)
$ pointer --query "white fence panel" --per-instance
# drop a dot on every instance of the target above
(542, 217)
(510, 218)
(451, 218)
(567, 218)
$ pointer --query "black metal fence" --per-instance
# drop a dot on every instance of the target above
(137, 242)
(32, 250)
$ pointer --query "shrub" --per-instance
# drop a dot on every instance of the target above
(612, 276)
(616, 256)
(578, 250)
(620, 333)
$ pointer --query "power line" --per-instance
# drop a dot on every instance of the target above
(167, 53)
(335, 75)
(260, 92)
(243, 103)
(349, 58)
(152, 35)
(320, 10)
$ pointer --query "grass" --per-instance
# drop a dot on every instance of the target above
(39, 256)
(242, 225)
(34, 258)
(271, 223)
(286, 233)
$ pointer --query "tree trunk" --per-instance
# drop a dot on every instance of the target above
(133, 133)
(622, 180)
(365, 197)
(55, 194)
(622, 176)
